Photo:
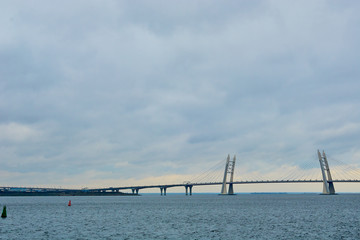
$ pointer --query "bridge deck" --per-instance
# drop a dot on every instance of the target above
(215, 183)
(167, 185)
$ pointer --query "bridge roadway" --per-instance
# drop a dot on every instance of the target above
(135, 189)
(188, 186)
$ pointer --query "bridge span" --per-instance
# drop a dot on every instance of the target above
(327, 180)
(188, 186)
(227, 182)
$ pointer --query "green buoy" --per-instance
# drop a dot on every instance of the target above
(3, 215)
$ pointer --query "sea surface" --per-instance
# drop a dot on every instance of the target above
(203, 216)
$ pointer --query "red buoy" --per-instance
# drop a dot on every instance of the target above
(69, 204)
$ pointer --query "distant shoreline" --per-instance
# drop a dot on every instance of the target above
(65, 193)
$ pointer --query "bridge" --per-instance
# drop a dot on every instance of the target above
(349, 174)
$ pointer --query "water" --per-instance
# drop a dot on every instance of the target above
(245, 216)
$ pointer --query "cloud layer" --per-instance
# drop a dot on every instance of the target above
(107, 92)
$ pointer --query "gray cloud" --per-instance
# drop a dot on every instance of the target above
(149, 89)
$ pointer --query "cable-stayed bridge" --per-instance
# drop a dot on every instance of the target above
(231, 175)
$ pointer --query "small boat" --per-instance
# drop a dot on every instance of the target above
(69, 204)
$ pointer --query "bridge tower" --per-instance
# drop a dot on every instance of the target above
(328, 185)
(229, 169)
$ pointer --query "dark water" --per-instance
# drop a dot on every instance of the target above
(270, 216)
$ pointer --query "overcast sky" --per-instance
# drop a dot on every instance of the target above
(112, 93)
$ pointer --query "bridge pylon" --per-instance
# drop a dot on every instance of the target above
(328, 185)
(229, 169)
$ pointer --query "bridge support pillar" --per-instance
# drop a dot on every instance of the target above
(163, 189)
(188, 189)
(231, 189)
(223, 187)
(328, 185)
(135, 191)
(229, 169)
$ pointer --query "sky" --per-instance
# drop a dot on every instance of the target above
(118, 93)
